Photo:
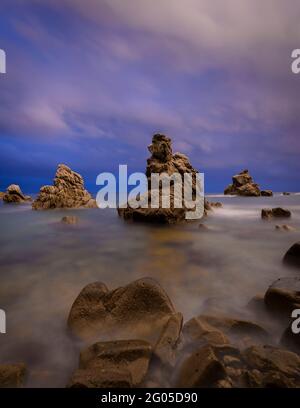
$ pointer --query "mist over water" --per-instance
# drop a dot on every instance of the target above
(45, 264)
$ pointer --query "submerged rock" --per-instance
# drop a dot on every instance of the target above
(286, 193)
(292, 257)
(161, 161)
(243, 185)
(100, 362)
(140, 309)
(12, 375)
(216, 204)
(14, 195)
(67, 192)
(70, 219)
(266, 193)
(284, 227)
(277, 212)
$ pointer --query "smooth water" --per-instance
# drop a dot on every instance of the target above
(44, 265)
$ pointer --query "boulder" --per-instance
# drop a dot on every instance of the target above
(101, 378)
(278, 212)
(292, 257)
(14, 195)
(70, 219)
(166, 346)
(129, 357)
(243, 185)
(266, 193)
(67, 192)
(286, 193)
(291, 339)
(198, 330)
(283, 296)
(162, 160)
(12, 375)
(140, 310)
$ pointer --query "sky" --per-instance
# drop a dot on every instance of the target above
(89, 82)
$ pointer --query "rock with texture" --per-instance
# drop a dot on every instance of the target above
(243, 185)
(14, 195)
(283, 296)
(12, 375)
(266, 193)
(67, 192)
(278, 212)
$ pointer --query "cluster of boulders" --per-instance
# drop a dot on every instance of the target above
(67, 192)
(243, 185)
(162, 160)
(14, 195)
(135, 338)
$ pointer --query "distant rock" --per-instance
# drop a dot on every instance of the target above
(139, 310)
(216, 204)
(14, 195)
(284, 227)
(130, 358)
(292, 257)
(266, 193)
(161, 161)
(286, 193)
(243, 185)
(12, 375)
(70, 219)
(1, 195)
(277, 212)
(67, 192)
(283, 296)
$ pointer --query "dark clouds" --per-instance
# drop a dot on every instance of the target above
(89, 81)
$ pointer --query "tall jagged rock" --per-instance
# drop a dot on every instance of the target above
(67, 192)
(243, 185)
(163, 160)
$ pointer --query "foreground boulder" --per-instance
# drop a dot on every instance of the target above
(67, 192)
(292, 257)
(161, 161)
(12, 375)
(283, 296)
(278, 212)
(243, 185)
(14, 195)
(99, 363)
(140, 310)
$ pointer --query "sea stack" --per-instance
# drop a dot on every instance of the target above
(14, 195)
(67, 192)
(162, 160)
(243, 185)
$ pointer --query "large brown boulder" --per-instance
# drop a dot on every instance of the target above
(162, 160)
(278, 212)
(138, 310)
(292, 257)
(14, 195)
(128, 357)
(283, 296)
(67, 192)
(243, 185)
(12, 375)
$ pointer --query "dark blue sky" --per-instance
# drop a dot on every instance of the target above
(89, 82)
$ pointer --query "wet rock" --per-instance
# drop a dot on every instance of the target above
(284, 227)
(166, 346)
(161, 161)
(266, 193)
(198, 329)
(101, 378)
(67, 192)
(14, 195)
(243, 185)
(283, 296)
(270, 366)
(140, 309)
(123, 356)
(292, 257)
(12, 375)
(70, 219)
(278, 212)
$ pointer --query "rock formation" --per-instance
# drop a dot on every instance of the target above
(292, 257)
(266, 193)
(161, 161)
(278, 212)
(12, 375)
(243, 185)
(67, 192)
(14, 195)
(1, 195)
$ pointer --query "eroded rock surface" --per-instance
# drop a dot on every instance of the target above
(12, 375)
(243, 185)
(67, 192)
(14, 195)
